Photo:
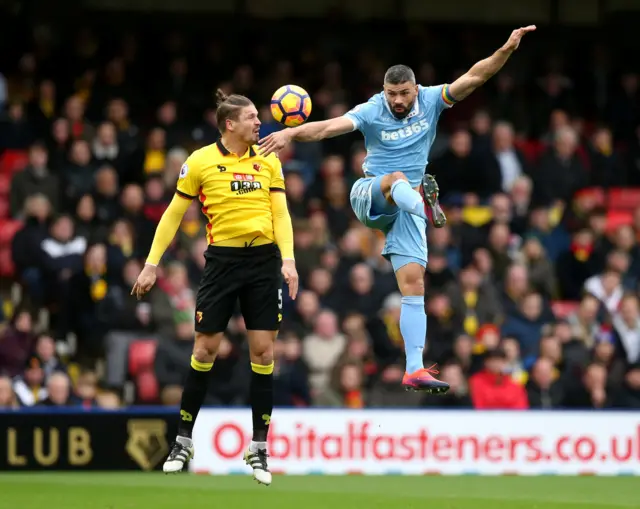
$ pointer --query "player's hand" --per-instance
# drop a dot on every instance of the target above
(145, 282)
(516, 36)
(275, 142)
(290, 275)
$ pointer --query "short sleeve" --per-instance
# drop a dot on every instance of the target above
(277, 176)
(362, 115)
(439, 96)
(189, 179)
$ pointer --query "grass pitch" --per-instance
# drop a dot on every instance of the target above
(157, 491)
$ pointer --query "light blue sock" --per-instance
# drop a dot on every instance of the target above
(408, 199)
(413, 327)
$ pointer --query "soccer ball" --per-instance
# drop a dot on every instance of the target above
(291, 105)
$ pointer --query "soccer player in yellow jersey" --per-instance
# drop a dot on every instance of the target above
(250, 251)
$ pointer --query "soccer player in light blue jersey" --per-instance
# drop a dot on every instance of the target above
(395, 195)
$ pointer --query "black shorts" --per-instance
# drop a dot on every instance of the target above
(251, 275)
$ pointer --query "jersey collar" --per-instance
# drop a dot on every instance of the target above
(223, 150)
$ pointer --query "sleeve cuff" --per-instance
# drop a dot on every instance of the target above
(185, 195)
(276, 190)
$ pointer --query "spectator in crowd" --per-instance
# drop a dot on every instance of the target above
(629, 397)
(291, 380)
(626, 325)
(30, 387)
(322, 349)
(492, 389)
(26, 246)
(8, 399)
(59, 392)
(544, 391)
(16, 343)
(34, 179)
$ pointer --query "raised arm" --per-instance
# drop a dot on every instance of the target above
(312, 131)
(483, 70)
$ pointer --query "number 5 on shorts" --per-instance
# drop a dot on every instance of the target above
(280, 305)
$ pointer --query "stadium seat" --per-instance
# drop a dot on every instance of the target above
(7, 268)
(621, 198)
(531, 149)
(617, 218)
(142, 354)
(12, 161)
(4, 207)
(147, 387)
(597, 195)
(563, 308)
(8, 228)
(5, 185)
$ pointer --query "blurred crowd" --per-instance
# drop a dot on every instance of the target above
(532, 287)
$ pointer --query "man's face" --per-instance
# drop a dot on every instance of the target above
(401, 98)
(247, 125)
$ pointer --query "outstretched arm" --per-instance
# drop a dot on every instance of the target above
(482, 71)
(312, 131)
(316, 131)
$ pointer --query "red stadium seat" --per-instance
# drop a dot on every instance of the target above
(596, 194)
(8, 228)
(617, 218)
(13, 160)
(531, 149)
(563, 308)
(147, 387)
(5, 185)
(621, 198)
(4, 207)
(7, 268)
(142, 354)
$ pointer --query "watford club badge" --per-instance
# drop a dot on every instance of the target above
(256, 166)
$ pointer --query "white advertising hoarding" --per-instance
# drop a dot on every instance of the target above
(308, 441)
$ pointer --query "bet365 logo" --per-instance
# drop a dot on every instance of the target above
(405, 132)
(244, 183)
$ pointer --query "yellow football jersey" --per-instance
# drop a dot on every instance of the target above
(234, 192)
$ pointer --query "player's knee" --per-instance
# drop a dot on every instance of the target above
(412, 284)
(262, 352)
(264, 357)
(389, 180)
(205, 347)
(398, 175)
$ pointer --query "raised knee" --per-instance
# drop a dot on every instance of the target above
(397, 175)
(389, 180)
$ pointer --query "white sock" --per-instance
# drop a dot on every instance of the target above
(186, 441)
(257, 446)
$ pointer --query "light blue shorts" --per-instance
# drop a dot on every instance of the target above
(406, 239)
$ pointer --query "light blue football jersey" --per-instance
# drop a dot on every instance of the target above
(399, 145)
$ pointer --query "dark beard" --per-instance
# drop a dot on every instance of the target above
(402, 115)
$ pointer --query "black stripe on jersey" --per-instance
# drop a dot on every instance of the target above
(223, 150)
(185, 195)
(276, 189)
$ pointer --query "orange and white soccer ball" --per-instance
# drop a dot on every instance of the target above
(291, 105)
